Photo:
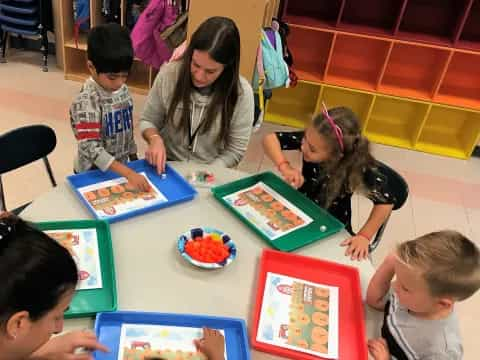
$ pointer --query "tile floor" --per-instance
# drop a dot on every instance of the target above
(444, 191)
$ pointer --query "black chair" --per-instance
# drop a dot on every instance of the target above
(23, 146)
(25, 18)
(399, 190)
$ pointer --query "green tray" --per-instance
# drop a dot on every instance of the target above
(323, 224)
(87, 303)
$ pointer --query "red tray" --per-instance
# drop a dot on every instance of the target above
(352, 338)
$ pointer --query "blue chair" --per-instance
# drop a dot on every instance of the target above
(24, 18)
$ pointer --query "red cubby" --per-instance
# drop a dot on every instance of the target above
(371, 16)
(461, 85)
(414, 71)
(432, 21)
(315, 13)
(357, 61)
(311, 50)
(470, 35)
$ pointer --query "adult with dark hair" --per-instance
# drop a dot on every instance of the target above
(38, 282)
(199, 107)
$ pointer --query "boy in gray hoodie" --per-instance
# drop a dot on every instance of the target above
(102, 113)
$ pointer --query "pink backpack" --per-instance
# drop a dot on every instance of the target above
(147, 43)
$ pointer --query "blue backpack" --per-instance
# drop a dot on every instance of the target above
(271, 67)
(81, 14)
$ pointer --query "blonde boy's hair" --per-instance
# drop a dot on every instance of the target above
(449, 261)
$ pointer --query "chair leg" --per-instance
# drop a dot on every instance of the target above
(44, 49)
(373, 245)
(3, 207)
(1, 40)
(21, 39)
(49, 171)
(43, 32)
(3, 59)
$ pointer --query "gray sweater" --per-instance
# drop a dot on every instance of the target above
(102, 123)
(204, 149)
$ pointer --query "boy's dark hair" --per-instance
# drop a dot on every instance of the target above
(110, 48)
(36, 270)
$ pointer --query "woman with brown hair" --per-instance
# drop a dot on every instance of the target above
(199, 107)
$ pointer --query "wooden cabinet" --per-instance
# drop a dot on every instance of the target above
(408, 68)
(249, 16)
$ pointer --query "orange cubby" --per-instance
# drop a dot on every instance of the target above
(413, 71)
(357, 62)
(311, 49)
(461, 84)
(317, 13)
(432, 21)
(469, 38)
(371, 16)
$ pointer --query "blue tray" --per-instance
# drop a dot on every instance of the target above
(108, 326)
(175, 188)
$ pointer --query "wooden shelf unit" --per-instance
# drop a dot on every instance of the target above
(391, 120)
(75, 52)
(249, 16)
(413, 61)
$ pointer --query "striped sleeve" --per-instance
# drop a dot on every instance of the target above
(86, 121)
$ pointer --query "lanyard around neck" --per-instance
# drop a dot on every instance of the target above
(192, 136)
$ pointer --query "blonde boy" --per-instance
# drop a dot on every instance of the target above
(432, 273)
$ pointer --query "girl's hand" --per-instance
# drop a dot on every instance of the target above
(65, 347)
(379, 349)
(292, 176)
(212, 345)
(357, 247)
(156, 154)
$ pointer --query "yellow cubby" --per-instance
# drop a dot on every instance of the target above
(395, 121)
(359, 102)
(450, 131)
(293, 107)
(390, 120)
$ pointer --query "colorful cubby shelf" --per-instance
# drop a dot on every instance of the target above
(408, 68)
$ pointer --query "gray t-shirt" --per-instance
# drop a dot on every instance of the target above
(413, 338)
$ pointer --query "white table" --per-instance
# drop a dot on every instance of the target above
(151, 276)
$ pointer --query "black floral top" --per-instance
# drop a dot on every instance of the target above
(316, 180)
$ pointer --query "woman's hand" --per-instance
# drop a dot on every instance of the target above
(156, 153)
(357, 247)
(65, 347)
